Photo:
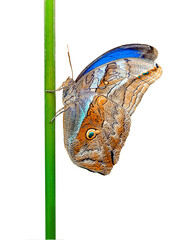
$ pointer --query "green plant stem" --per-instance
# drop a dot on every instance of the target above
(49, 114)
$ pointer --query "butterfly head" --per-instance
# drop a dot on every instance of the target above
(68, 90)
(68, 83)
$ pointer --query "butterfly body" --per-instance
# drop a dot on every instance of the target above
(100, 104)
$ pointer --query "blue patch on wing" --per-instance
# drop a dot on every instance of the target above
(125, 51)
(114, 55)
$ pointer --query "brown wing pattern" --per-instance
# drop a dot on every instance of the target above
(117, 90)
(126, 81)
(108, 121)
(136, 86)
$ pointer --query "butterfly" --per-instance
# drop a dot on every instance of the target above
(99, 104)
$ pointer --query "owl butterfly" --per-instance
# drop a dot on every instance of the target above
(98, 105)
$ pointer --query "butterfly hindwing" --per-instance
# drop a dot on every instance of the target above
(101, 136)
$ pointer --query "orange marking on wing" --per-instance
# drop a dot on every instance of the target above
(94, 119)
(101, 100)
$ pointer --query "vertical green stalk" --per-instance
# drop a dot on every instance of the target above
(50, 217)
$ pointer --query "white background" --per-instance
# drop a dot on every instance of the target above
(144, 196)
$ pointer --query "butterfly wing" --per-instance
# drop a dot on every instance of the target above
(101, 136)
(106, 97)
(124, 51)
(126, 80)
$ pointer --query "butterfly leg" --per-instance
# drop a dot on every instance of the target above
(61, 110)
(58, 89)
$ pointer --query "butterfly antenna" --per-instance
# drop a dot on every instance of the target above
(70, 61)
